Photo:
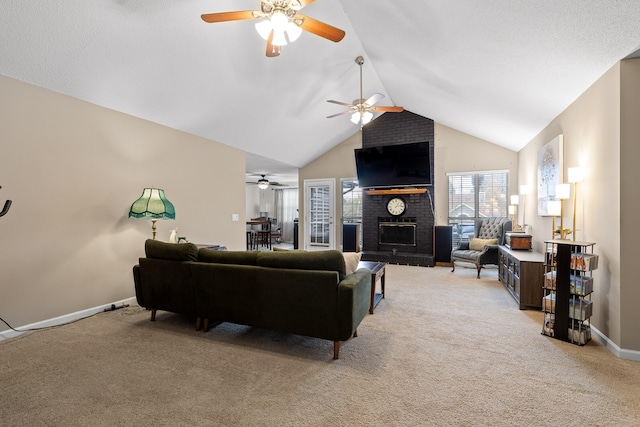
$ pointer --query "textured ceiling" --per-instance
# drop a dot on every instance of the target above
(500, 70)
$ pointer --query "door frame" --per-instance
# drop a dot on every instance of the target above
(331, 184)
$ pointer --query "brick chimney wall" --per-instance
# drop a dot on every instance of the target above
(393, 129)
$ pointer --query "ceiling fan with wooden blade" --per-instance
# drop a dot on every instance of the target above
(279, 23)
(361, 109)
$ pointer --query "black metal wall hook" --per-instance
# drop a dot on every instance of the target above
(6, 207)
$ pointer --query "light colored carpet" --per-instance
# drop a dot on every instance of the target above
(442, 349)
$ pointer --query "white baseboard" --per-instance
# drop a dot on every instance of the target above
(613, 347)
(9, 333)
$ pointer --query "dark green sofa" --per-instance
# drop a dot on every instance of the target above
(298, 292)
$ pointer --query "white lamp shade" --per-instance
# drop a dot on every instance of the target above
(279, 21)
(278, 38)
(553, 207)
(515, 199)
(575, 174)
(366, 117)
(264, 28)
(563, 191)
(512, 210)
(293, 31)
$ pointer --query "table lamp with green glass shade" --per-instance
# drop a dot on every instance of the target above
(152, 205)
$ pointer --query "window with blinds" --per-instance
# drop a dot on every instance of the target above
(475, 195)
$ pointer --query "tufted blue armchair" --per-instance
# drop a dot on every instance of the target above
(481, 253)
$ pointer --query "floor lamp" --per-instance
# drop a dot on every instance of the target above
(553, 208)
(524, 190)
(575, 176)
(152, 205)
(562, 193)
(515, 199)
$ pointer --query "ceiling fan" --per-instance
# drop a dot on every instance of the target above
(277, 19)
(361, 109)
(263, 183)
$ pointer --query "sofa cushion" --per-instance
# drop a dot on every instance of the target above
(479, 244)
(331, 260)
(227, 257)
(351, 260)
(171, 251)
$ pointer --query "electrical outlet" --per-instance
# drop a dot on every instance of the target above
(235, 217)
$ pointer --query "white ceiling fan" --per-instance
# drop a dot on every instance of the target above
(361, 109)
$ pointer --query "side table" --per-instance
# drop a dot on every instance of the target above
(377, 273)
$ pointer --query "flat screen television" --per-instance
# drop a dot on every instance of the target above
(399, 165)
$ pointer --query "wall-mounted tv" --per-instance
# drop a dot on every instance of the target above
(399, 165)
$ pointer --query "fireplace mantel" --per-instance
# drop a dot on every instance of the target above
(396, 191)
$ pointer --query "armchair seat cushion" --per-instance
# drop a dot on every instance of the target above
(470, 255)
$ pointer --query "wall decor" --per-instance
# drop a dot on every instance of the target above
(549, 173)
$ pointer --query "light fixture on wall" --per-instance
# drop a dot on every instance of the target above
(562, 193)
(576, 175)
(152, 205)
(515, 200)
(553, 208)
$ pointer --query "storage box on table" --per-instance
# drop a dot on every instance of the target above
(514, 240)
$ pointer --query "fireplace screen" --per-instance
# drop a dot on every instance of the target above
(397, 234)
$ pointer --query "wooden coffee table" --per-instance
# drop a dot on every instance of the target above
(377, 273)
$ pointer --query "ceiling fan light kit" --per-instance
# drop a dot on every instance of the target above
(362, 110)
(263, 183)
(364, 117)
(279, 21)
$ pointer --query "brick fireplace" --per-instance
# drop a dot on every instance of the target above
(405, 239)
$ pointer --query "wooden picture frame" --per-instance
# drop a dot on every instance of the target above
(549, 172)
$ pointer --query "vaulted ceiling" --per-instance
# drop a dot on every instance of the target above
(499, 70)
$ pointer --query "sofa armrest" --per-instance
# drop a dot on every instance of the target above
(354, 299)
(138, 285)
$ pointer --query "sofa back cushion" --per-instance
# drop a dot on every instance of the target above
(171, 251)
(227, 257)
(331, 260)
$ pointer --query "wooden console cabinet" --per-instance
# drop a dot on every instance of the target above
(522, 273)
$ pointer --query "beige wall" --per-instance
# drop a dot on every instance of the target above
(72, 170)
(455, 151)
(604, 141)
(629, 203)
(337, 163)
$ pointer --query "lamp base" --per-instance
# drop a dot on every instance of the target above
(153, 228)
